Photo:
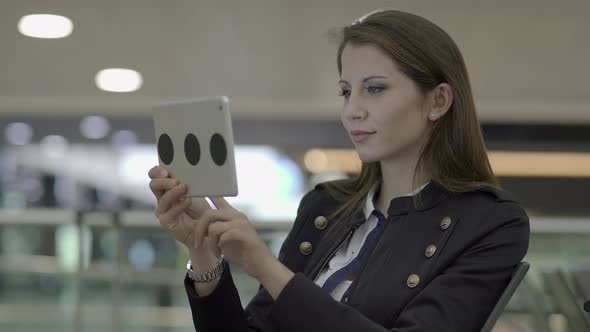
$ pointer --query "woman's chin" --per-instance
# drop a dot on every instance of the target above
(367, 158)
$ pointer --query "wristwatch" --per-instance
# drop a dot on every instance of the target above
(207, 276)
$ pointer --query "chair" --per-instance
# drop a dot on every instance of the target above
(556, 282)
(580, 276)
(515, 280)
(581, 280)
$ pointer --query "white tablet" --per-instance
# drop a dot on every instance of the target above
(195, 144)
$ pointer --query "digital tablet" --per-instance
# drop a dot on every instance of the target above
(195, 144)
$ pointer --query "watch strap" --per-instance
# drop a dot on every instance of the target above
(206, 276)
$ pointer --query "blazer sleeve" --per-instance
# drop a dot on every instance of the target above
(222, 309)
(459, 299)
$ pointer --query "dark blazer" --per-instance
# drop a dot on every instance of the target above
(439, 267)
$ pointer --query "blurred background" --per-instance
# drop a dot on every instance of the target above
(80, 247)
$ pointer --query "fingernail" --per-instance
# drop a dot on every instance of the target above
(163, 173)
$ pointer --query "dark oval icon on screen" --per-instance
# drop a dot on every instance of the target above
(218, 149)
(165, 149)
(192, 149)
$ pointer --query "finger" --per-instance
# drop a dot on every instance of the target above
(212, 241)
(195, 237)
(157, 172)
(159, 186)
(226, 237)
(221, 204)
(208, 217)
(216, 230)
(198, 207)
(170, 197)
(173, 212)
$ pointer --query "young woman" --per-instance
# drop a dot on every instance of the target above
(423, 239)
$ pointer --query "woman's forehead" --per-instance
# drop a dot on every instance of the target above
(366, 60)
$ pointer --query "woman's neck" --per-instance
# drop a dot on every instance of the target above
(397, 180)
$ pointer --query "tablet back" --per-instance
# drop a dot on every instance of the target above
(195, 144)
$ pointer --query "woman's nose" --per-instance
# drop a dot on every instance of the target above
(356, 112)
(360, 114)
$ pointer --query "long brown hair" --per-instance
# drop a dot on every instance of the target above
(454, 154)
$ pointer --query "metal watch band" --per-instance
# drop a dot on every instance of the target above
(207, 276)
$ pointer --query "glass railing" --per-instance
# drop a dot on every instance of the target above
(65, 270)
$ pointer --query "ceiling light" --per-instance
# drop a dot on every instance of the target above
(504, 163)
(326, 160)
(45, 26)
(118, 80)
(18, 133)
(315, 160)
(124, 137)
(54, 146)
(540, 164)
(94, 127)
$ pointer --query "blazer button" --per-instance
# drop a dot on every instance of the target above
(430, 250)
(445, 223)
(413, 280)
(305, 247)
(320, 222)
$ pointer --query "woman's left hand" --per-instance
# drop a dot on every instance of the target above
(230, 232)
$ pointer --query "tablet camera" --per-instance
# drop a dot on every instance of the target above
(192, 149)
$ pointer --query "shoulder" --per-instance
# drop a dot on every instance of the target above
(490, 213)
(487, 199)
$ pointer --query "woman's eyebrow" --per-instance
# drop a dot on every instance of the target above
(364, 80)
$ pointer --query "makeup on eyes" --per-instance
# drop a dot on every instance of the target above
(370, 83)
(371, 89)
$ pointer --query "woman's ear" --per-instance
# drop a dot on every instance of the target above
(442, 99)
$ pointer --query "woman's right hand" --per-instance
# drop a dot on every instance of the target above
(177, 215)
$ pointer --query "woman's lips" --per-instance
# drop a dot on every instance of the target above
(360, 137)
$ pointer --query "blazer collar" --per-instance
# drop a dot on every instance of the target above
(430, 196)
(370, 206)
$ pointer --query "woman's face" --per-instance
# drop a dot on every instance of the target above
(380, 99)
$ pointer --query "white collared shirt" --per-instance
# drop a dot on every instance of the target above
(350, 249)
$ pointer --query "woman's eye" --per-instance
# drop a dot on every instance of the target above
(345, 93)
(375, 89)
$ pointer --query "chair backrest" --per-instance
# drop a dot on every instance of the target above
(556, 282)
(580, 277)
(515, 280)
(581, 280)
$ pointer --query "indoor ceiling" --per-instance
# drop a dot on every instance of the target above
(528, 60)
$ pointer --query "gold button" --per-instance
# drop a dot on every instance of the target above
(445, 223)
(320, 222)
(413, 280)
(430, 250)
(305, 247)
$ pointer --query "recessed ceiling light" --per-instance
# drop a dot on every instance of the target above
(118, 80)
(54, 146)
(45, 26)
(94, 127)
(18, 133)
(123, 138)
